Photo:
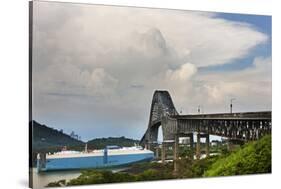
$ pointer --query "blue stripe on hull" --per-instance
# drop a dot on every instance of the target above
(95, 161)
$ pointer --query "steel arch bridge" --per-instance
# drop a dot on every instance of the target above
(239, 126)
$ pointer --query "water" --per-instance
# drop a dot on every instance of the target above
(40, 180)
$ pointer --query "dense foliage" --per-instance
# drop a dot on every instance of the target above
(139, 172)
(189, 168)
(101, 143)
(98, 177)
(254, 157)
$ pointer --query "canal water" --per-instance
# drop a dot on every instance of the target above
(40, 180)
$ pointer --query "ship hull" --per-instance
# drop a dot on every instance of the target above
(96, 162)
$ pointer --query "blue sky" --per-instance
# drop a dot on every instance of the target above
(95, 68)
(260, 23)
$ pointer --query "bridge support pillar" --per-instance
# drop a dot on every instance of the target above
(207, 145)
(198, 150)
(149, 146)
(163, 152)
(191, 144)
(157, 152)
(176, 154)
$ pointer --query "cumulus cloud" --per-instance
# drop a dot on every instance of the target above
(252, 87)
(99, 65)
(102, 81)
(183, 73)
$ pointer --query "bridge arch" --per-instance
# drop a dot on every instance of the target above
(162, 107)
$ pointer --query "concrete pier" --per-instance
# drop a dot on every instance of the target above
(163, 153)
(191, 144)
(176, 153)
(198, 144)
(207, 145)
(157, 152)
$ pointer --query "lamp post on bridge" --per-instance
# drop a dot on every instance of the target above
(231, 100)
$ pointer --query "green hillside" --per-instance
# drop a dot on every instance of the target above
(100, 143)
(253, 158)
(45, 138)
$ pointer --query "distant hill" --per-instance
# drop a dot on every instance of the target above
(49, 139)
(46, 139)
(100, 143)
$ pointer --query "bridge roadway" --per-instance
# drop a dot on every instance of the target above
(243, 126)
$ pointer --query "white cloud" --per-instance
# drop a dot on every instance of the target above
(102, 81)
(183, 73)
(104, 62)
(195, 37)
(252, 87)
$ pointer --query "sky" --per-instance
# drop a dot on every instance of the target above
(95, 68)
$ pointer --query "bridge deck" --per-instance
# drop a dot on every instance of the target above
(223, 116)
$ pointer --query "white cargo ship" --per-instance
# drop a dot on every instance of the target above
(111, 156)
